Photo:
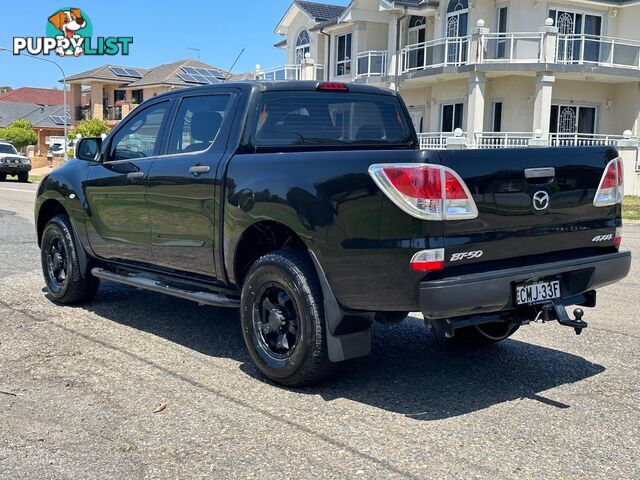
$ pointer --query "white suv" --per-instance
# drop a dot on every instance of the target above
(12, 163)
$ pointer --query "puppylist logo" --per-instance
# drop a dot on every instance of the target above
(70, 33)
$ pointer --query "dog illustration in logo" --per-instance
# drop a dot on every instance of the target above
(69, 22)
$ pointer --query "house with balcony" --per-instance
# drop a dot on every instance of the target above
(110, 92)
(498, 72)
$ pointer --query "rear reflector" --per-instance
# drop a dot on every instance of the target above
(428, 260)
(425, 191)
(333, 86)
(611, 188)
(618, 238)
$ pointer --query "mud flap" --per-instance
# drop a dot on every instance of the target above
(348, 335)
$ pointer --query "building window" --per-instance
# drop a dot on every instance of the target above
(137, 97)
(571, 48)
(573, 119)
(119, 95)
(457, 18)
(501, 27)
(303, 46)
(451, 116)
(343, 57)
(496, 116)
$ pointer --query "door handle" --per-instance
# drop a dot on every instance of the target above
(135, 175)
(199, 170)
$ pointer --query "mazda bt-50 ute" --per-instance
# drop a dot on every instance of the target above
(310, 208)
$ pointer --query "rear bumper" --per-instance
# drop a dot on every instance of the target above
(494, 291)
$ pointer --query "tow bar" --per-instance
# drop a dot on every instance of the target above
(553, 311)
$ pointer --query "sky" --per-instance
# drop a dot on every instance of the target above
(162, 32)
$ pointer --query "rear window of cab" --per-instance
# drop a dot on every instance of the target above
(339, 119)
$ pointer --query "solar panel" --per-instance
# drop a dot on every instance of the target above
(57, 119)
(201, 76)
(126, 72)
(133, 72)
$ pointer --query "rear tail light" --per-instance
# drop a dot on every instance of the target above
(425, 191)
(428, 260)
(611, 188)
(618, 238)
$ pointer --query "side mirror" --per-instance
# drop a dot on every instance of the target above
(89, 149)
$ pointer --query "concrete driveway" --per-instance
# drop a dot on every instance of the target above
(136, 385)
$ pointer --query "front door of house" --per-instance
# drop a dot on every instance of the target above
(417, 117)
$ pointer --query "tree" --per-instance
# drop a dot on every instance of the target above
(89, 128)
(20, 133)
(5, 89)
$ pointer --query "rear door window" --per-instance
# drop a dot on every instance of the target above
(330, 119)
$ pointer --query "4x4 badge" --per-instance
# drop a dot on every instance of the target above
(540, 200)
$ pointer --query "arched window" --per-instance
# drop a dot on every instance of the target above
(303, 46)
(457, 5)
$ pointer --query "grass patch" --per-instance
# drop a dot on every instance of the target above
(631, 208)
(34, 178)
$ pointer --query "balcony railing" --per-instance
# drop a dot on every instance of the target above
(597, 50)
(434, 140)
(113, 113)
(491, 140)
(371, 64)
(83, 112)
(291, 72)
(511, 48)
(284, 72)
(452, 51)
(502, 139)
(525, 47)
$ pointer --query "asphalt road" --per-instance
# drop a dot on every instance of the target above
(79, 387)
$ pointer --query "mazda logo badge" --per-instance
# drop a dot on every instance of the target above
(541, 200)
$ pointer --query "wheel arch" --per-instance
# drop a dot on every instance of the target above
(257, 240)
(49, 209)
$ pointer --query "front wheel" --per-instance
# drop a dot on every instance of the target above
(3, 177)
(282, 318)
(23, 177)
(61, 266)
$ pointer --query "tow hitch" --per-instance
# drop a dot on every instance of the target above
(553, 311)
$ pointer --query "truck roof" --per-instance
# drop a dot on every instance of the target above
(282, 85)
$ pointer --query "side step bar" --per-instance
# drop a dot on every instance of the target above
(202, 298)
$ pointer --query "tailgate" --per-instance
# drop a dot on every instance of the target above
(531, 202)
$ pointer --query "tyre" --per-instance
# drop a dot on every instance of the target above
(3, 177)
(282, 319)
(485, 334)
(23, 177)
(60, 265)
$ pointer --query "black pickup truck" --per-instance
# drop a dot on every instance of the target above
(310, 207)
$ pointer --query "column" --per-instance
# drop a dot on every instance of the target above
(549, 42)
(542, 104)
(97, 108)
(476, 49)
(475, 113)
(74, 102)
(392, 53)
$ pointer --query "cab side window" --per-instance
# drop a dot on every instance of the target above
(198, 123)
(138, 138)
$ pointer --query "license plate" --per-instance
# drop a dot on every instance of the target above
(537, 292)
